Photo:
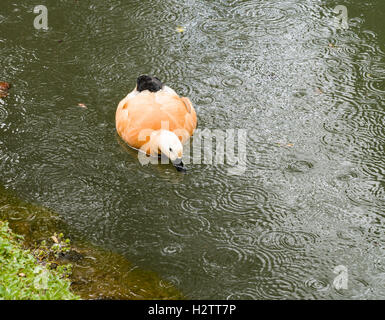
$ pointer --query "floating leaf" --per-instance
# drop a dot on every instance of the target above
(180, 29)
(279, 144)
(4, 86)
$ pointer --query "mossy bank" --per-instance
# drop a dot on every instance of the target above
(22, 277)
(73, 270)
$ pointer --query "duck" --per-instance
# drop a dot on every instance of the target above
(155, 120)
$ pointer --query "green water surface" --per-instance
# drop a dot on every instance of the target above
(310, 96)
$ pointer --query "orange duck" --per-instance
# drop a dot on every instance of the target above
(155, 120)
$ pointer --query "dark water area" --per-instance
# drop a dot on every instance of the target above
(310, 95)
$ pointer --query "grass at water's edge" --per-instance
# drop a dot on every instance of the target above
(22, 277)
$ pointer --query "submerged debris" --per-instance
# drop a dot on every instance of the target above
(71, 256)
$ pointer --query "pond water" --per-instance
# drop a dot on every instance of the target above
(310, 95)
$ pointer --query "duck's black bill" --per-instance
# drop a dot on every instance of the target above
(179, 166)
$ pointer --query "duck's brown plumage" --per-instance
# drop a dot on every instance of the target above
(139, 115)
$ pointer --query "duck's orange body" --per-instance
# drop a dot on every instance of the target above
(141, 113)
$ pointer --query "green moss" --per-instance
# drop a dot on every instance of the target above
(22, 277)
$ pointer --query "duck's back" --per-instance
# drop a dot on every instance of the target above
(137, 116)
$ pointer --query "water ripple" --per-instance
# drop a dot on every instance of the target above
(189, 226)
(3, 114)
(281, 240)
(317, 285)
(275, 288)
(244, 200)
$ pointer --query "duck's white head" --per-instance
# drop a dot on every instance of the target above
(170, 145)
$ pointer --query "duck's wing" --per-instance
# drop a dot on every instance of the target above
(180, 112)
(188, 104)
(190, 117)
(130, 96)
(135, 114)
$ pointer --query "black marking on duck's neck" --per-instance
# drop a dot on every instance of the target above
(145, 82)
